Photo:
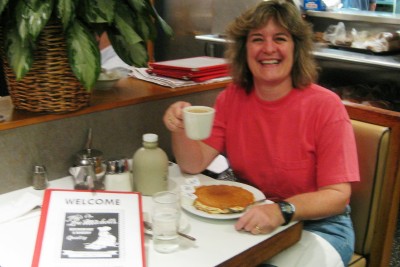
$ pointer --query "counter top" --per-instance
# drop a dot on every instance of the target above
(125, 92)
(357, 15)
(385, 60)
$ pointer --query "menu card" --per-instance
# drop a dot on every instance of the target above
(90, 229)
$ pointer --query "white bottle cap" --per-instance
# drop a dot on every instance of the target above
(150, 137)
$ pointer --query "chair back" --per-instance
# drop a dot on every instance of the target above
(372, 147)
(375, 200)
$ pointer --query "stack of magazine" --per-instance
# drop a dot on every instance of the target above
(184, 72)
(198, 69)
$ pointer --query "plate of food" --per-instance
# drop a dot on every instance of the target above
(223, 200)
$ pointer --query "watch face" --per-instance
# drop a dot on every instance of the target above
(287, 208)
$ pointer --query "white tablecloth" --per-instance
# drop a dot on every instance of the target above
(17, 239)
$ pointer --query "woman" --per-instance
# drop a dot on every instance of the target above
(282, 133)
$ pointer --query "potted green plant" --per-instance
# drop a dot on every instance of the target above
(129, 24)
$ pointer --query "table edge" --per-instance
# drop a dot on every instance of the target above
(264, 250)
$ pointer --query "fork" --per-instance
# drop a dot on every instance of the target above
(149, 227)
(242, 209)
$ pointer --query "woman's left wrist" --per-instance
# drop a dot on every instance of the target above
(288, 210)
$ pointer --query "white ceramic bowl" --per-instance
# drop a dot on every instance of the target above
(107, 78)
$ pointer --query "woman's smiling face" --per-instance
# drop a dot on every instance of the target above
(270, 51)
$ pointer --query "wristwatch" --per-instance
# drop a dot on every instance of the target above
(287, 209)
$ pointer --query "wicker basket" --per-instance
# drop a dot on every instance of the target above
(50, 86)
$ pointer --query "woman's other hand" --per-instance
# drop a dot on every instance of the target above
(173, 116)
(261, 219)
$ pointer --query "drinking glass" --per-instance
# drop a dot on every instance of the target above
(165, 217)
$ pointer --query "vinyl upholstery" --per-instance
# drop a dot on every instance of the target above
(372, 147)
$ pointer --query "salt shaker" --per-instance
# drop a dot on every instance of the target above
(39, 177)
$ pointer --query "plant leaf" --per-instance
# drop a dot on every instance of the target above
(124, 23)
(137, 5)
(83, 54)
(127, 43)
(21, 22)
(3, 4)
(32, 3)
(32, 19)
(146, 27)
(142, 25)
(98, 11)
(132, 54)
(66, 11)
(19, 53)
(164, 25)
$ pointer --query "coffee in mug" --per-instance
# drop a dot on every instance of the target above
(198, 110)
(198, 121)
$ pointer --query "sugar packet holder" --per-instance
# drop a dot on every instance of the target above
(188, 189)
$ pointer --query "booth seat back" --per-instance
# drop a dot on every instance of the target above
(372, 148)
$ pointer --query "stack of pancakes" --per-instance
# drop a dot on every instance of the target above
(222, 199)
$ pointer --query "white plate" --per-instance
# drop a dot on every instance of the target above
(257, 195)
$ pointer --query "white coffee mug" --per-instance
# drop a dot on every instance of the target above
(198, 121)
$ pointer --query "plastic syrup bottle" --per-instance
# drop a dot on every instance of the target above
(150, 167)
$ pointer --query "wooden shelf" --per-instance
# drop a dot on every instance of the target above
(127, 91)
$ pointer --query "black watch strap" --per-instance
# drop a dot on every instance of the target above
(288, 210)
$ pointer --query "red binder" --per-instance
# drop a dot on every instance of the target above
(194, 68)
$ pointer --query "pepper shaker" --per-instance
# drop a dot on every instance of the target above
(39, 177)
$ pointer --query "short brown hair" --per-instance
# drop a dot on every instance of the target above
(285, 13)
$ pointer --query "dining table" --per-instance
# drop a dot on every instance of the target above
(217, 242)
